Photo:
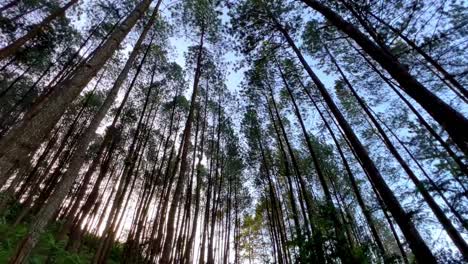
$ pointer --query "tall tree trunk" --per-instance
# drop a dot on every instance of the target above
(344, 251)
(420, 118)
(426, 56)
(89, 135)
(284, 158)
(454, 122)
(189, 246)
(352, 179)
(456, 237)
(132, 161)
(44, 121)
(28, 179)
(208, 194)
(15, 81)
(166, 253)
(378, 197)
(23, 140)
(158, 223)
(109, 145)
(416, 242)
(217, 192)
(368, 26)
(273, 195)
(14, 47)
(11, 4)
(434, 186)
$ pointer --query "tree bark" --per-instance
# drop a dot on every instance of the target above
(453, 122)
(165, 257)
(352, 179)
(456, 237)
(20, 142)
(9, 5)
(416, 242)
(426, 56)
(14, 47)
(49, 114)
(420, 118)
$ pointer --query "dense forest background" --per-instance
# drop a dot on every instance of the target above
(236, 131)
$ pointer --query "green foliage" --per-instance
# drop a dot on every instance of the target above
(311, 36)
(10, 236)
(49, 249)
(201, 16)
(180, 102)
(252, 241)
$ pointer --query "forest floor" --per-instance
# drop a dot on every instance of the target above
(49, 250)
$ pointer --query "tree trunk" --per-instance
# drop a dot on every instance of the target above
(89, 135)
(20, 142)
(426, 56)
(9, 5)
(345, 253)
(420, 118)
(188, 248)
(456, 237)
(378, 197)
(417, 244)
(14, 47)
(352, 179)
(165, 257)
(49, 114)
(454, 122)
